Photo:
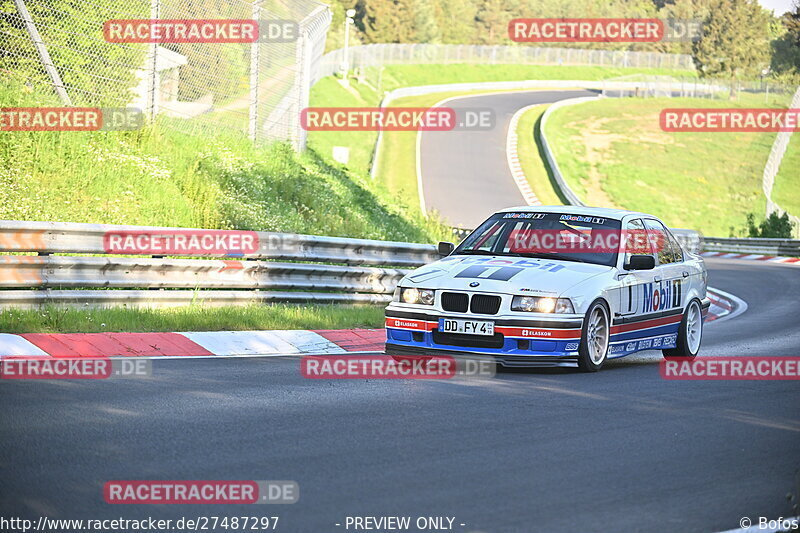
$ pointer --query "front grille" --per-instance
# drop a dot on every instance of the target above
(483, 304)
(468, 341)
(455, 301)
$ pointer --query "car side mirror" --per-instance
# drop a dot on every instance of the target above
(641, 262)
(446, 248)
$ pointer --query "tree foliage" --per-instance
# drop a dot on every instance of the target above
(775, 226)
(735, 42)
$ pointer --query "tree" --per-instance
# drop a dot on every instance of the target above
(388, 21)
(786, 48)
(492, 20)
(735, 42)
(456, 20)
(426, 29)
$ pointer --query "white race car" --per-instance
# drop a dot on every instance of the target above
(554, 286)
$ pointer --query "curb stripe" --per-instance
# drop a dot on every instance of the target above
(753, 257)
(512, 157)
(356, 340)
(114, 344)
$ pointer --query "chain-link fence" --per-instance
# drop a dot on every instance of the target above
(760, 92)
(774, 164)
(58, 47)
(378, 55)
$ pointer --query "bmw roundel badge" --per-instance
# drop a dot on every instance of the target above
(474, 284)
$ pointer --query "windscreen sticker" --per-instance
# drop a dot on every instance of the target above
(578, 218)
(533, 216)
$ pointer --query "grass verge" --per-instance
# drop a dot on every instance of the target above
(532, 158)
(786, 191)
(613, 153)
(52, 319)
(161, 176)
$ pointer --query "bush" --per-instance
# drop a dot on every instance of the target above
(773, 227)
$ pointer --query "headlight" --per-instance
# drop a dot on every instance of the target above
(540, 304)
(417, 296)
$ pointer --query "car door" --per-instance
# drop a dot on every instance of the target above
(668, 281)
(634, 284)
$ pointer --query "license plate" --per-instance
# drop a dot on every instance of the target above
(467, 327)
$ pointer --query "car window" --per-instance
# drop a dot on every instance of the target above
(659, 238)
(636, 242)
(677, 251)
(560, 236)
(487, 240)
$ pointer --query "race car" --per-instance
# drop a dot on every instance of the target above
(554, 286)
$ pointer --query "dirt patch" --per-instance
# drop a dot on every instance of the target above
(598, 142)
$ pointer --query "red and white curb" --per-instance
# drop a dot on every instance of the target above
(512, 156)
(724, 305)
(753, 257)
(192, 344)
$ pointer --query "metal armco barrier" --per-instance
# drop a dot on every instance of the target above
(778, 247)
(360, 272)
(65, 237)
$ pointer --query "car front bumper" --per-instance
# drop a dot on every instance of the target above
(517, 341)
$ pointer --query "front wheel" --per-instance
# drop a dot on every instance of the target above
(595, 336)
(689, 333)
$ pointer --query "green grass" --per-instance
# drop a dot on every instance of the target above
(219, 180)
(532, 159)
(613, 152)
(52, 319)
(786, 192)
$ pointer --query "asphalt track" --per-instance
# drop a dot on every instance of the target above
(464, 174)
(620, 450)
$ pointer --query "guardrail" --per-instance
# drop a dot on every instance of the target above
(778, 247)
(565, 190)
(278, 267)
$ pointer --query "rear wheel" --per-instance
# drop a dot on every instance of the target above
(689, 333)
(595, 335)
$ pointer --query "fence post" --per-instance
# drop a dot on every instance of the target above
(255, 49)
(44, 55)
(151, 106)
(304, 45)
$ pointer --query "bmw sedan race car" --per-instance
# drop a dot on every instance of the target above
(554, 286)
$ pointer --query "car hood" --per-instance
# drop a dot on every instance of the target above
(503, 274)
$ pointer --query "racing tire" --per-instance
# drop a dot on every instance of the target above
(690, 333)
(595, 337)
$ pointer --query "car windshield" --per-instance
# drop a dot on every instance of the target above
(563, 236)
